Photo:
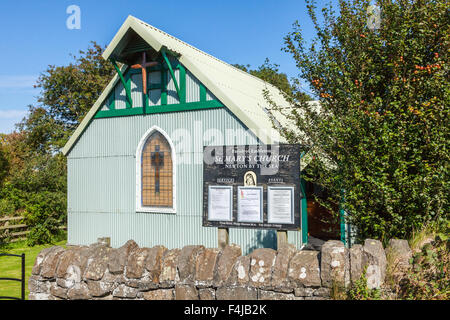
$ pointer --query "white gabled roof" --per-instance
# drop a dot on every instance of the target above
(239, 91)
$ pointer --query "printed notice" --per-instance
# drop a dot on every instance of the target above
(250, 204)
(220, 203)
(280, 205)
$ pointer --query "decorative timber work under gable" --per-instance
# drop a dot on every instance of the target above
(169, 88)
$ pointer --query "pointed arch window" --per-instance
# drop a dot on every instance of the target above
(155, 166)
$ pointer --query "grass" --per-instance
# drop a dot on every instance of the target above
(420, 237)
(10, 267)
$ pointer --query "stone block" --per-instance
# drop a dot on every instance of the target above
(118, 257)
(104, 241)
(83, 256)
(356, 269)
(71, 277)
(144, 283)
(261, 263)
(79, 291)
(240, 274)
(186, 292)
(36, 270)
(304, 269)
(335, 264)
(57, 291)
(236, 293)
(113, 277)
(122, 291)
(225, 263)
(40, 296)
(136, 263)
(168, 274)
(322, 292)
(186, 263)
(100, 288)
(65, 260)
(205, 267)
(271, 295)
(97, 264)
(37, 286)
(50, 262)
(153, 263)
(160, 294)
(280, 269)
(374, 260)
(207, 294)
(304, 292)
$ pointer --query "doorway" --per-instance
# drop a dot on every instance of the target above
(322, 224)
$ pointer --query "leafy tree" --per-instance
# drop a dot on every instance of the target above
(380, 137)
(35, 187)
(14, 157)
(271, 73)
(36, 184)
(4, 165)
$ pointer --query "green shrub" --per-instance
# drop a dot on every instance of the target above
(40, 234)
(45, 213)
(6, 207)
(428, 277)
(360, 291)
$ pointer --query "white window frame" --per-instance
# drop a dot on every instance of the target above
(140, 148)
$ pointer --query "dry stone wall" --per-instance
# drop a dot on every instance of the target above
(199, 273)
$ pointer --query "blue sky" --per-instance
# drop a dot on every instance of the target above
(34, 35)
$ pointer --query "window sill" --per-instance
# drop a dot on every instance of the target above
(156, 210)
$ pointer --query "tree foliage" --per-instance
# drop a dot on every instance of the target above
(68, 92)
(35, 186)
(380, 139)
(4, 164)
(270, 73)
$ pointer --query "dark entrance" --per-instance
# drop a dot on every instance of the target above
(322, 224)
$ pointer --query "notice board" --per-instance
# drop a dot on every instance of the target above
(252, 186)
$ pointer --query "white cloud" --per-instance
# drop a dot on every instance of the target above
(17, 81)
(12, 114)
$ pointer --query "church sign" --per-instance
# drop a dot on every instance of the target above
(252, 186)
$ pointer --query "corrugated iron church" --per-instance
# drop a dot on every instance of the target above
(135, 162)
